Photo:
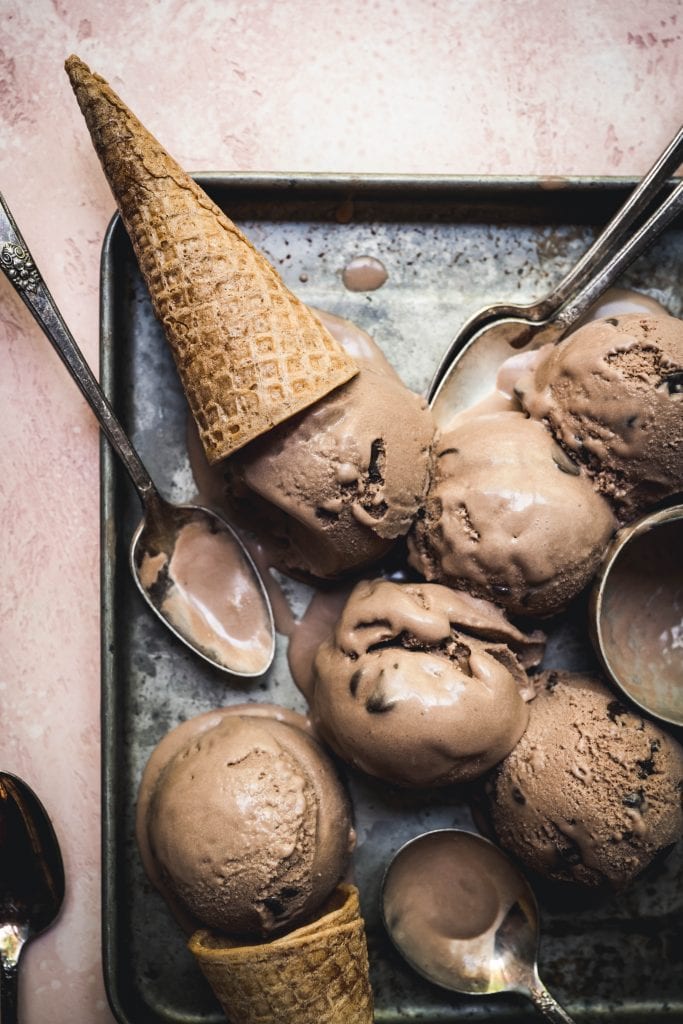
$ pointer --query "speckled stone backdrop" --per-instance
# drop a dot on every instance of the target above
(463, 87)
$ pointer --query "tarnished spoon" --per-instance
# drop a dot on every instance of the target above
(156, 538)
(465, 918)
(467, 371)
(31, 881)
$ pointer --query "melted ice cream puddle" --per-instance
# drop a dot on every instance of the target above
(364, 274)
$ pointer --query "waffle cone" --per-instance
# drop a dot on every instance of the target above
(249, 353)
(317, 974)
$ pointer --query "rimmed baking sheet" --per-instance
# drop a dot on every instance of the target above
(450, 246)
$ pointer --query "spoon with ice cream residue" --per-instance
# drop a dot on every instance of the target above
(463, 916)
(31, 881)
(188, 563)
(467, 372)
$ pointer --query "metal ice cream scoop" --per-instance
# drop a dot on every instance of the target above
(465, 918)
(157, 537)
(467, 372)
(31, 881)
(636, 612)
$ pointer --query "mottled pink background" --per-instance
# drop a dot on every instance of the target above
(463, 87)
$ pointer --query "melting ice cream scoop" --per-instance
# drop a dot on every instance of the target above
(465, 918)
(421, 685)
(222, 614)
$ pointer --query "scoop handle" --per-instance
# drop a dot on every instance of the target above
(21, 271)
(547, 1005)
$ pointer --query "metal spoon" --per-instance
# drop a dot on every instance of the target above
(467, 372)
(162, 522)
(465, 918)
(31, 881)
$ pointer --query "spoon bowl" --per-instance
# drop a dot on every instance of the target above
(31, 881)
(193, 599)
(465, 918)
(211, 613)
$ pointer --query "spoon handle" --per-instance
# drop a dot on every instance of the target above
(9, 977)
(546, 1005)
(21, 270)
(637, 244)
(10, 954)
(599, 253)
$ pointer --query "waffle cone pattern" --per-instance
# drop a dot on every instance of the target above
(317, 974)
(249, 353)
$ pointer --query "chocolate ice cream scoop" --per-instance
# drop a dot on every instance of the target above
(333, 492)
(406, 692)
(336, 486)
(242, 821)
(509, 516)
(592, 792)
(612, 396)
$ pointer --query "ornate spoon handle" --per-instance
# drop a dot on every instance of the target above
(20, 268)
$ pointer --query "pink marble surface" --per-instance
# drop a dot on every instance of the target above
(464, 87)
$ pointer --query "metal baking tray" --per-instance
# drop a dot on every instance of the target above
(450, 245)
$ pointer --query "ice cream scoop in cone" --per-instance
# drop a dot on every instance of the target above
(317, 974)
(248, 352)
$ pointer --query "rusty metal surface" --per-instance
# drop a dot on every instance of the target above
(449, 246)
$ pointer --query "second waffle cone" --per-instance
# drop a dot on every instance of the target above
(317, 974)
(249, 353)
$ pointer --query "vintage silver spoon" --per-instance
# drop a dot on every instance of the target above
(31, 881)
(467, 371)
(156, 537)
(465, 918)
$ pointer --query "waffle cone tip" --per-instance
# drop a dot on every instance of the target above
(76, 69)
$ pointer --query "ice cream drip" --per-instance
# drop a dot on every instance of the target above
(364, 274)
(316, 625)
